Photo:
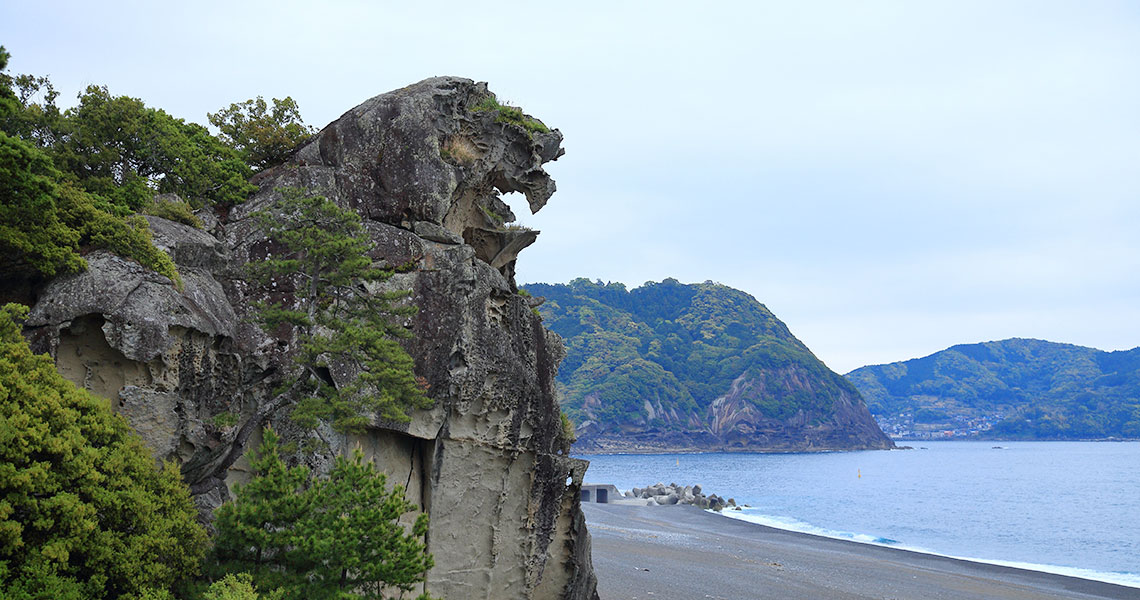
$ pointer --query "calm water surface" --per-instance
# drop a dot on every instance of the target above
(1066, 507)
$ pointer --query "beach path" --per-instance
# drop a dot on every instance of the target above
(658, 552)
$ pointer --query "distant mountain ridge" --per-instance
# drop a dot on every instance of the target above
(694, 367)
(1008, 389)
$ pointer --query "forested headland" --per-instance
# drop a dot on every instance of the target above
(1010, 389)
(694, 366)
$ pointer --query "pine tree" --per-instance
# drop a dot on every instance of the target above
(323, 260)
(337, 319)
(257, 532)
(333, 538)
(354, 536)
(263, 136)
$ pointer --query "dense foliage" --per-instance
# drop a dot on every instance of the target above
(263, 136)
(72, 180)
(44, 221)
(173, 208)
(84, 513)
(333, 538)
(1025, 389)
(36, 235)
(675, 346)
(118, 148)
(237, 586)
(324, 260)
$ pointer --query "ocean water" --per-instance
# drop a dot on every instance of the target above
(1064, 507)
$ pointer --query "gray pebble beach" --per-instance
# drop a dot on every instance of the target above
(645, 552)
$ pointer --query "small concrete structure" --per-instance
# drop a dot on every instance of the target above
(601, 493)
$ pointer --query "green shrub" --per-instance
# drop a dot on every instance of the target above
(84, 513)
(236, 587)
(512, 115)
(225, 419)
(34, 235)
(43, 223)
(567, 428)
(173, 209)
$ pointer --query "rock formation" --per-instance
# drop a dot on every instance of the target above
(667, 495)
(488, 462)
(736, 424)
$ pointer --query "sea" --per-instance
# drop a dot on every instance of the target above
(1071, 508)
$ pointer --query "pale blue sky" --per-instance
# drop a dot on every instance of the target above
(890, 178)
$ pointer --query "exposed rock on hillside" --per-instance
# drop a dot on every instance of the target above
(673, 367)
(488, 461)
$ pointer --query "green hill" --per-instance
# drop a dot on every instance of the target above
(1012, 389)
(670, 366)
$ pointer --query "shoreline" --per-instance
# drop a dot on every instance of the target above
(684, 451)
(987, 439)
(644, 552)
(1061, 570)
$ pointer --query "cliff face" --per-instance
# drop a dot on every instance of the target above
(487, 462)
(737, 422)
(700, 367)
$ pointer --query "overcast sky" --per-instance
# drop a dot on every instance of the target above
(889, 178)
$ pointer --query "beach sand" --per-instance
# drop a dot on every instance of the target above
(682, 552)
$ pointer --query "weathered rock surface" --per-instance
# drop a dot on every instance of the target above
(735, 424)
(488, 462)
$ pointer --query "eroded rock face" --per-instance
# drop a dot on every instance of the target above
(488, 461)
(837, 420)
(840, 423)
